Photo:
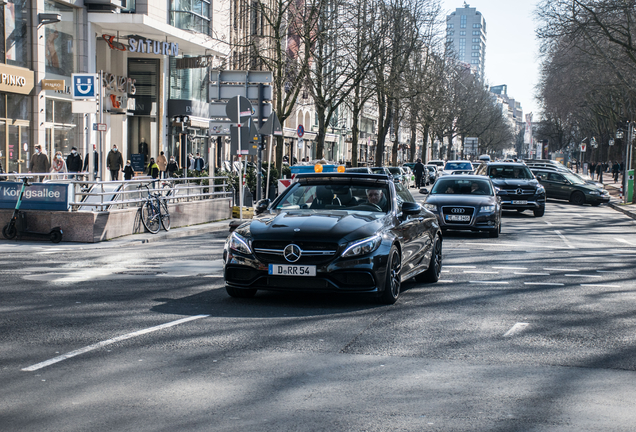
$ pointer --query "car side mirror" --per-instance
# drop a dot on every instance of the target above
(261, 206)
(424, 191)
(410, 208)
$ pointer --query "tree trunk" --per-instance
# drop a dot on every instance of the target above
(427, 128)
(354, 138)
(413, 146)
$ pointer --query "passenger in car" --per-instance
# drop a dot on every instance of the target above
(376, 196)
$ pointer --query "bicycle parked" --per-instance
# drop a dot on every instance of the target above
(154, 211)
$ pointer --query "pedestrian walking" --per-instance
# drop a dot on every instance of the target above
(418, 170)
(615, 169)
(162, 163)
(129, 173)
(58, 166)
(73, 162)
(39, 162)
(114, 162)
(199, 163)
(153, 168)
(172, 166)
(599, 172)
(592, 170)
(95, 162)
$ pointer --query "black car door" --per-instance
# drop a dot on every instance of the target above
(416, 232)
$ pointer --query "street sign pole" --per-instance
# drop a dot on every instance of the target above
(100, 154)
(259, 152)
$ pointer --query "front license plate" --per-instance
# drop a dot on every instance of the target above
(520, 202)
(292, 270)
(457, 218)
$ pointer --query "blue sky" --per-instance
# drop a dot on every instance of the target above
(511, 48)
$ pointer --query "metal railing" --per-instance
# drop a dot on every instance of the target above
(120, 194)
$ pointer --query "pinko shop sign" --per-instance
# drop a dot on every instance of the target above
(37, 196)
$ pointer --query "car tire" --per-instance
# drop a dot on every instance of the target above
(240, 293)
(539, 212)
(577, 198)
(434, 270)
(493, 233)
(393, 284)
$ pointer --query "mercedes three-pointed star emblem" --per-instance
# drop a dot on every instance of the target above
(292, 253)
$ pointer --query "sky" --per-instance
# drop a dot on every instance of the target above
(512, 51)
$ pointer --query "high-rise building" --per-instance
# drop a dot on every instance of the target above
(466, 37)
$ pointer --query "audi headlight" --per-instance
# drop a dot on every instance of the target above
(238, 243)
(487, 209)
(430, 207)
(362, 247)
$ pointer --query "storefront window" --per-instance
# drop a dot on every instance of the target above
(60, 41)
(61, 130)
(15, 143)
(16, 35)
(17, 106)
(188, 84)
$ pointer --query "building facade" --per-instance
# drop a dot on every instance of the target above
(153, 59)
(466, 37)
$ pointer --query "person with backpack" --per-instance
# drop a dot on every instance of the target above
(153, 169)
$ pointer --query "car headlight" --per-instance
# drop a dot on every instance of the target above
(595, 192)
(362, 247)
(487, 209)
(240, 244)
(604, 192)
(430, 207)
(540, 190)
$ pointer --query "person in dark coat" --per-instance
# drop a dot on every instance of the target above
(615, 169)
(172, 167)
(199, 163)
(599, 172)
(592, 170)
(95, 161)
(39, 162)
(74, 162)
(114, 162)
(129, 173)
(418, 170)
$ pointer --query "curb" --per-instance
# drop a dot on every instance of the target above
(623, 210)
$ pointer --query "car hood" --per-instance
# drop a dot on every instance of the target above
(459, 200)
(510, 183)
(325, 226)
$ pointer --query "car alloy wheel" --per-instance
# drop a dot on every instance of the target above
(393, 279)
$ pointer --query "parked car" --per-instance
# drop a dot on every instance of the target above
(440, 163)
(465, 203)
(338, 233)
(457, 167)
(552, 167)
(365, 170)
(382, 170)
(430, 174)
(399, 176)
(408, 173)
(518, 188)
(568, 186)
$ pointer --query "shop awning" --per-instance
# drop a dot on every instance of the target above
(142, 25)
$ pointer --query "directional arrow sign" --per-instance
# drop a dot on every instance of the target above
(272, 126)
(238, 109)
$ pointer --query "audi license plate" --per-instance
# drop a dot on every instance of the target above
(520, 202)
(292, 270)
(457, 218)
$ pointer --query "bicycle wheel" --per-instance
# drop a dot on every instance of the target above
(165, 215)
(150, 217)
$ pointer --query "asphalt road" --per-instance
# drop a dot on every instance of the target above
(533, 331)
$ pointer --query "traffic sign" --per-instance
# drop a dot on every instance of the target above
(272, 126)
(238, 109)
(300, 131)
(84, 86)
(583, 147)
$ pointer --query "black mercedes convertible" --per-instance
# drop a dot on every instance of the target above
(336, 232)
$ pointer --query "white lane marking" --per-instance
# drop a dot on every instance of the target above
(531, 274)
(559, 269)
(459, 266)
(565, 240)
(109, 342)
(583, 275)
(516, 329)
(544, 283)
(444, 281)
(612, 271)
(548, 223)
(457, 249)
(623, 241)
(489, 282)
(511, 268)
(480, 272)
(601, 285)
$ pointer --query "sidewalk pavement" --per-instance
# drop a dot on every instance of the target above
(134, 239)
(616, 202)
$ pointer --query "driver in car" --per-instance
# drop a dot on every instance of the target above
(376, 196)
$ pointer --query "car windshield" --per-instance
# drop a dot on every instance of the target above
(462, 187)
(327, 197)
(453, 166)
(357, 170)
(395, 170)
(510, 172)
(574, 179)
(378, 170)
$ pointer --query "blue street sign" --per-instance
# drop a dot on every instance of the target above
(84, 86)
(300, 131)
